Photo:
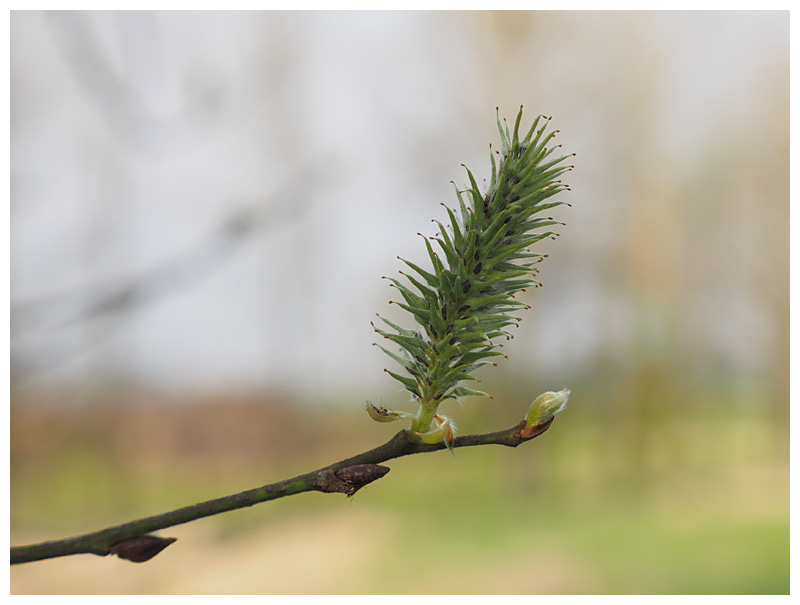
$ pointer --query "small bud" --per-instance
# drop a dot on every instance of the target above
(444, 431)
(545, 406)
(381, 414)
(141, 548)
(357, 476)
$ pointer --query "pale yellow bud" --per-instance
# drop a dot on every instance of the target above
(545, 406)
(444, 431)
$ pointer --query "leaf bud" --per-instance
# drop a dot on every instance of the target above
(545, 406)
(445, 430)
(381, 414)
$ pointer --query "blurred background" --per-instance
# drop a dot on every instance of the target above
(203, 205)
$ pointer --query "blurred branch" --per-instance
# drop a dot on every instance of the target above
(229, 235)
(286, 207)
(132, 541)
(124, 91)
(133, 292)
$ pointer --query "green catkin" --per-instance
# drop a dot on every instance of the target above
(464, 303)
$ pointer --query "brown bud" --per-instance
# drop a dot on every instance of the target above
(359, 475)
(141, 548)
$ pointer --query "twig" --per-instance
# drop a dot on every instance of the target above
(132, 541)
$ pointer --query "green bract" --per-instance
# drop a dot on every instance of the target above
(463, 303)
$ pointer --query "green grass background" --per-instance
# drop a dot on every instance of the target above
(695, 502)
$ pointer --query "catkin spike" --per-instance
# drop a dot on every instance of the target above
(468, 297)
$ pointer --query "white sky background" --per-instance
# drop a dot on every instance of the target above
(334, 136)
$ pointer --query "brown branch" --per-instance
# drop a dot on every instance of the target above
(132, 541)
